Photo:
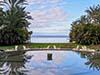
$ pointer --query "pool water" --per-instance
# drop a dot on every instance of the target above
(60, 63)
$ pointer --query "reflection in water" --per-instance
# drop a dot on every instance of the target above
(49, 56)
(62, 63)
(2, 54)
(93, 60)
(5, 69)
(9, 63)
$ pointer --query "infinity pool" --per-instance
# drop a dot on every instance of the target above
(61, 63)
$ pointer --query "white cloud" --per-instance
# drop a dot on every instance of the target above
(43, 1)
(62, 29)
(48, 18)
(55, 1)
(35, 1)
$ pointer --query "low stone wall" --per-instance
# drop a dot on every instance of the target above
(13, 53)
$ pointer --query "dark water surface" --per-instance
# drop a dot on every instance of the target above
(61, 63)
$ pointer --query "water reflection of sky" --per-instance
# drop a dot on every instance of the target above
(63, 63)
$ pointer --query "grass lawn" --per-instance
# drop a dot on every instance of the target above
(58, 45)
(43, 45)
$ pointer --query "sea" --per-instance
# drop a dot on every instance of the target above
(49, 39)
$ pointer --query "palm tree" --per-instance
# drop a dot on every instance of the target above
(1, 18)
(94, 13)
(15, 15)
(93, 61)
(15, 22)
(86, 30)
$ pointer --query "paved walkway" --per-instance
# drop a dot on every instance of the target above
(51, 49)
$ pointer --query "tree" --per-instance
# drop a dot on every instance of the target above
(14, 25)
(93, 60)
(86, 30)
(94, 14)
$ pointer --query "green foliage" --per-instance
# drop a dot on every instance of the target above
(93, 60)
(14, 22)
(58, 45)
(86, 30)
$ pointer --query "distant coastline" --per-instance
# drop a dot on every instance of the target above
(51, 36)
(49, 39)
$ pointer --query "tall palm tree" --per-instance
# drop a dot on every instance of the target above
(93, 61)
(86, 30)
(1, 18)
(15, 22)
(94, 13)
(15, 13)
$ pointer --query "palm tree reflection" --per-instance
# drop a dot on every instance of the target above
(93, 60)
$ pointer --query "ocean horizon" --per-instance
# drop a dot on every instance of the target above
(50, 39)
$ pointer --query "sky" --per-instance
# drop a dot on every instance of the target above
(56, 16)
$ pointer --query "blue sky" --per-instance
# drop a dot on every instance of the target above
(55, 16)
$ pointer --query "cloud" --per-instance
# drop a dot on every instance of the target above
(43, 1)
(44, 4)
(35, 1)
(48, 17)
(62, 29)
